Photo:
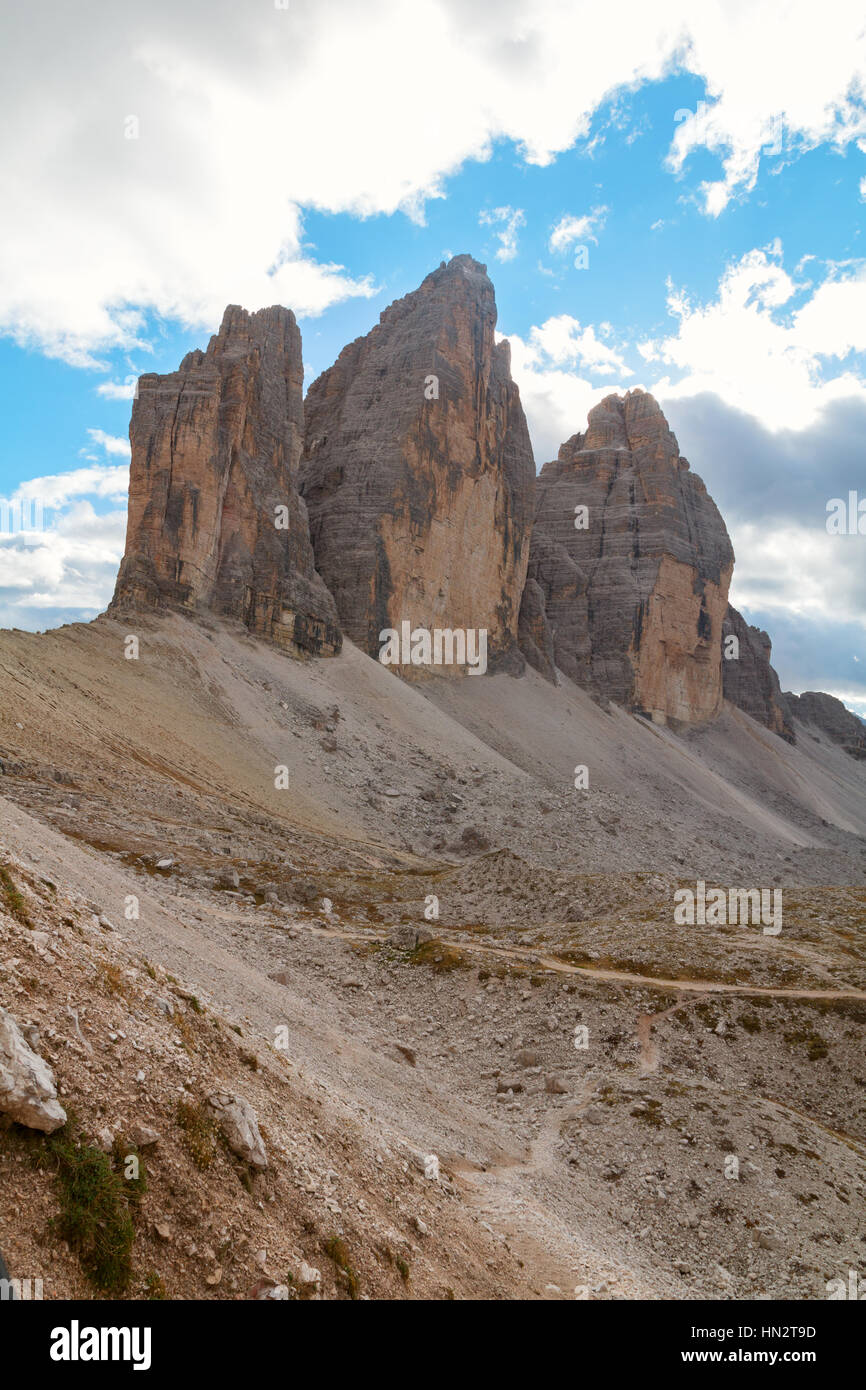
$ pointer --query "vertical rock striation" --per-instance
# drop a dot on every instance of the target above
(215, 518)
(634, 599)
(749, 680)
(418, 471)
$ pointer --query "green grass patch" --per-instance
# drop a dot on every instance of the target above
(12, 898)
(95, 1215)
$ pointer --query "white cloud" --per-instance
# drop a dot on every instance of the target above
(798, 570)
(65, 572)
(205, 206)
(545, 366)
(107, 481)
(111, 443)
(569, 229)
(511, 219)
(782, 368)
(118, 390)
(59, 558)
(778, 83)
(560, 341)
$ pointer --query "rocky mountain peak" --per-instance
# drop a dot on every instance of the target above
(629, 567)
(418, 470)
(215, 519)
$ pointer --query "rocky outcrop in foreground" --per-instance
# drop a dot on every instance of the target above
(418, 470)
(629, 567)
(28, 1092)
(749, 680)
(215, 519)
(827, 713)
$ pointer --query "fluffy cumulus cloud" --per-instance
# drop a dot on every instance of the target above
(111, 443)
(58, 553)
(117, 390)
(765, 387)
(779, 347)
(562, 369)
(779, 83)
(162, 156)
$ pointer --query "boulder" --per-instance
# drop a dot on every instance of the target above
(28, 1093)
(239, 1127)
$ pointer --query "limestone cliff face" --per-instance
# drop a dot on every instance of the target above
(829, 714)
(418, 471)
(749, 680)
(215, 518)
(634, 589)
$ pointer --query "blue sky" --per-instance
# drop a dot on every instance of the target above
(328, 156)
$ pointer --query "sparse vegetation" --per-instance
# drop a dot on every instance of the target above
(816, 1046)
(112, 979)
(12, 899)
(94, 1217)
(439, 957)
(335, 1248)
(154, 1288)
(199, 1132)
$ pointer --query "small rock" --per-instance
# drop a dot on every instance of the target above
(143, 1136)
(526, 1057)
(769, 1242)
(555, 1086)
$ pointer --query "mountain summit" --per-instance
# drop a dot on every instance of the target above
(418, 470)
(629, 567)
(215, 520)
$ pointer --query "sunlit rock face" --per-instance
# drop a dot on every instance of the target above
(215, 519)
(418, 471)
(633, 563)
